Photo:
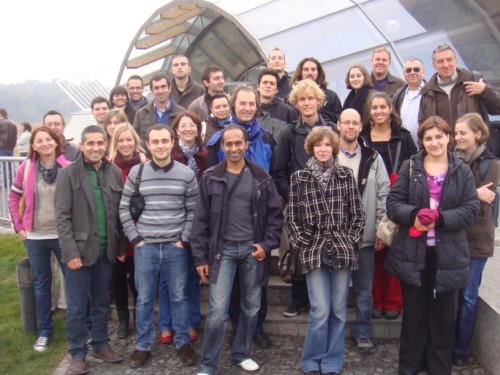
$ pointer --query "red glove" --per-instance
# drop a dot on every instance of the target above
(426, 216)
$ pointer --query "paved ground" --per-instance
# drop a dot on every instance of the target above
(281, 359)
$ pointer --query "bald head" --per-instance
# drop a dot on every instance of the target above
(351, 114)
(349, 126)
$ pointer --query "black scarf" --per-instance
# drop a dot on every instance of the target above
(356, 100)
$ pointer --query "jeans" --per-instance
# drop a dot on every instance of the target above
(325, 339)
(235, 256)
(88, 284)
(467, 305)
(150, 260)
(193, 296)
(362, 281)
(39, 253)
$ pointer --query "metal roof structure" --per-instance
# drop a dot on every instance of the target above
(238, 35)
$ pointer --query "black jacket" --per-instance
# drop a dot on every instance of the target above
(458, 208)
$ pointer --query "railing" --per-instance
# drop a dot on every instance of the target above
(8, 169)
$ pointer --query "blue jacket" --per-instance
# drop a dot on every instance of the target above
(210, 217)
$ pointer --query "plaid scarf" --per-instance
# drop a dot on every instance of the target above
(322, 172)
(190, 153)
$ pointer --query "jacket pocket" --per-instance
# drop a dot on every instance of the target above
(81, 241)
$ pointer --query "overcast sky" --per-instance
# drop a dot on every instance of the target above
(70, 39)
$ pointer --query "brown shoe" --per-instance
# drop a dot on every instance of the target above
(78, 366)
(139, 358)
(108, 355)
(187, 355)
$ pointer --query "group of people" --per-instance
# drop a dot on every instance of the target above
(225, 180)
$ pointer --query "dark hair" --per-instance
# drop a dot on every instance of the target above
(26, 126)
(434, 122)
(205, 75)
(91, 129)
(321, 80)
(157, 127)
(3, 113)
(317, 134)
(50, 132)
(117, 90)
(158, 77)
(476, 123)
(97, 100)
(268, 72)
(230, 127)
(382, 95)
(196, 119)
(218, 96)
(366, 82)
(135, 76)
(234, 96)
(53, 112)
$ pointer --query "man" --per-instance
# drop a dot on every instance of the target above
(161, 239)
(100, 107)
(382, 79)
(373, 185)
(184, 89)
(407, 98)
(276, 61)
(86, 202)
(308, 98)
(238, 213)
(311, 68)
(162, 110)
(274, 113)
(452, 92)
(245, 105)
(135, 89)
(55, 121)
(8, 134)
(213, 80)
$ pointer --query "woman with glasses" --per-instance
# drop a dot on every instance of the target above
(433, 200)
(325, 221)
(188, 150)
(384, 133)
(35, 183)
(359, 81)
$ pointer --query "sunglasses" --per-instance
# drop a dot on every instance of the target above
(416, 70)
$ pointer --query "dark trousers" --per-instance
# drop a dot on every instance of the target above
(123, 279)
(234, 305)
(299, 292)
(427, 330)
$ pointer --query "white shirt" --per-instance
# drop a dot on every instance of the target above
(409, 111)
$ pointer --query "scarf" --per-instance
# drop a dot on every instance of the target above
(356, 100)
(322, 172)
(127, 164)
(252, 128)
(469, 158)
(222, 122)
(190, 152)
(49, 175)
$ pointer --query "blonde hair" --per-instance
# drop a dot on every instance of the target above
(301, 87)
(123, 127)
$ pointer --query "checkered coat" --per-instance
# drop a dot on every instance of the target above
(325, 225)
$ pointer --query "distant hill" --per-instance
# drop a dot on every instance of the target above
(30, 100)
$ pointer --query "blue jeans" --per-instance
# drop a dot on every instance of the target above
(193, 296)
(235, 256)
(151, 259)
(467, 305)
(362, 282)
(39, 252)
(88, 284)
(325, 339)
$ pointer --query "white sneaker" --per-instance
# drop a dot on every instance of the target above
(41, 344)
(249, 365)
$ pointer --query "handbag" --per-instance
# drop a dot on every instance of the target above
(137, 202)
(290, 267)
(22, 201)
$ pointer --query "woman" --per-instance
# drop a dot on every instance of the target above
(112, 119)
(189, 151)
(220, 116)
(23, 143)
(124, 153)
(359, 81)
(433, 200)
(325, 221)
(471, 134)
(37, 226)
(394, 143)
(119, 99)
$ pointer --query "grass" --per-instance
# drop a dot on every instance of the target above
(16, 348)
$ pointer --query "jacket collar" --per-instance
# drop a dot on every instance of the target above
(258, 173)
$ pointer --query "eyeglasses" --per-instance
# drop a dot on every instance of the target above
(187, 126)
(353, 123)
(415, 69)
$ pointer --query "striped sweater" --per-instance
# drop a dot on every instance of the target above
(170, 196)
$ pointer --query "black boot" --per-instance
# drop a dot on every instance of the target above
(123, 320)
